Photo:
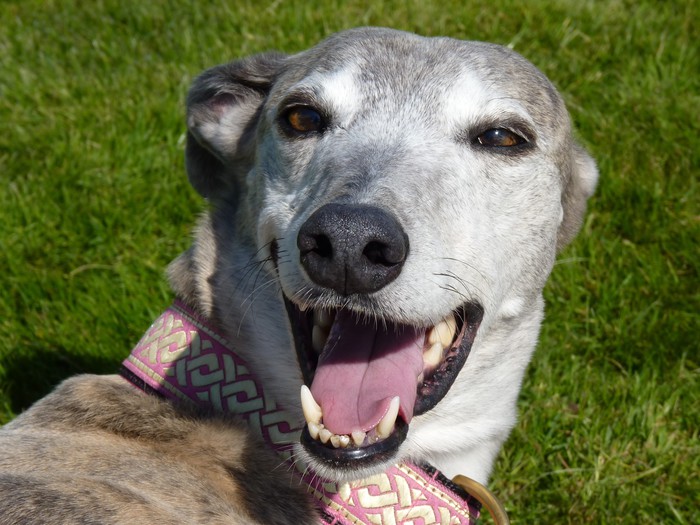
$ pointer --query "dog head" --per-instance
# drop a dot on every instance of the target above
(401, 199)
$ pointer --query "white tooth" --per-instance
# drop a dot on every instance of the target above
(443, 332)
(340, 440)
(358, 437)
(433, 356)
(323, 318)
(312, 412)
(319, 336)
(314, 429)
(386, 425)
(324, 435)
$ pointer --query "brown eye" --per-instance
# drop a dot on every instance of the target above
(499, 138)
(303, 119)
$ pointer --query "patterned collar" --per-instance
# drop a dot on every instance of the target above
(182, 358)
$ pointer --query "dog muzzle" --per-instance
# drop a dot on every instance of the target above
(183, 359)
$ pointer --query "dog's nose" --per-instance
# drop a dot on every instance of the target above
(352, 248)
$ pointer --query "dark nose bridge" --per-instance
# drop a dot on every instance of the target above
(352, 248)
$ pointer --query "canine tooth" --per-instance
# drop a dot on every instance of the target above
(433, 356)
(386, 425)
(312, 412)
(358, 437)
(443, 332)
(319, 336)
(323, 318)
(314, 429)
(324, 435)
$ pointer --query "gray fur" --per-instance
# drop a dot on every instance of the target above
(484, 226)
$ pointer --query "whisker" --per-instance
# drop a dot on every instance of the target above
(483, 276)
(250, 299)
(468, 286)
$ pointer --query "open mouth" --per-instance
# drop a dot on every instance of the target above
(366, 378)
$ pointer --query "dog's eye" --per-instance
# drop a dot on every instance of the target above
(303, 119)
(499, 138)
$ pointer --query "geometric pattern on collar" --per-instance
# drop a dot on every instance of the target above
(182, 358)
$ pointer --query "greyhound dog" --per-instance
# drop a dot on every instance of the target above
(384, 212)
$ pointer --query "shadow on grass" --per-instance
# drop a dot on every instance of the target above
(32, 373)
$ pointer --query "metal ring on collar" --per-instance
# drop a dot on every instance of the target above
(486, 498)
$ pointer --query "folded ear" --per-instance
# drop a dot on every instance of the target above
(223, 106)
(580, 186)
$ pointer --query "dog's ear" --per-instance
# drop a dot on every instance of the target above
(223, 106)
(579, 187)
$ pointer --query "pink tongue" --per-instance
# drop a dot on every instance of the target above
(361, 369)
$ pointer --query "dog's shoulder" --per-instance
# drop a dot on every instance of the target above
(98, 449)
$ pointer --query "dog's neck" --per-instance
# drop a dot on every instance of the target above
(183, 359)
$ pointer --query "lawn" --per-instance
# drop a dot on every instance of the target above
(94, 203)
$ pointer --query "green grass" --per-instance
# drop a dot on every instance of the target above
(94, 203)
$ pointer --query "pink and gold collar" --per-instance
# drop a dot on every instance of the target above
(182, 358)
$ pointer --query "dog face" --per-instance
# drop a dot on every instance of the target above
(401, 201)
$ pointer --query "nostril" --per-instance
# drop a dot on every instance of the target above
(381, 254)
(319, 244)
(324, 247)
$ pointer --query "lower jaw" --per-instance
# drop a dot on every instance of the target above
(355, 458)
